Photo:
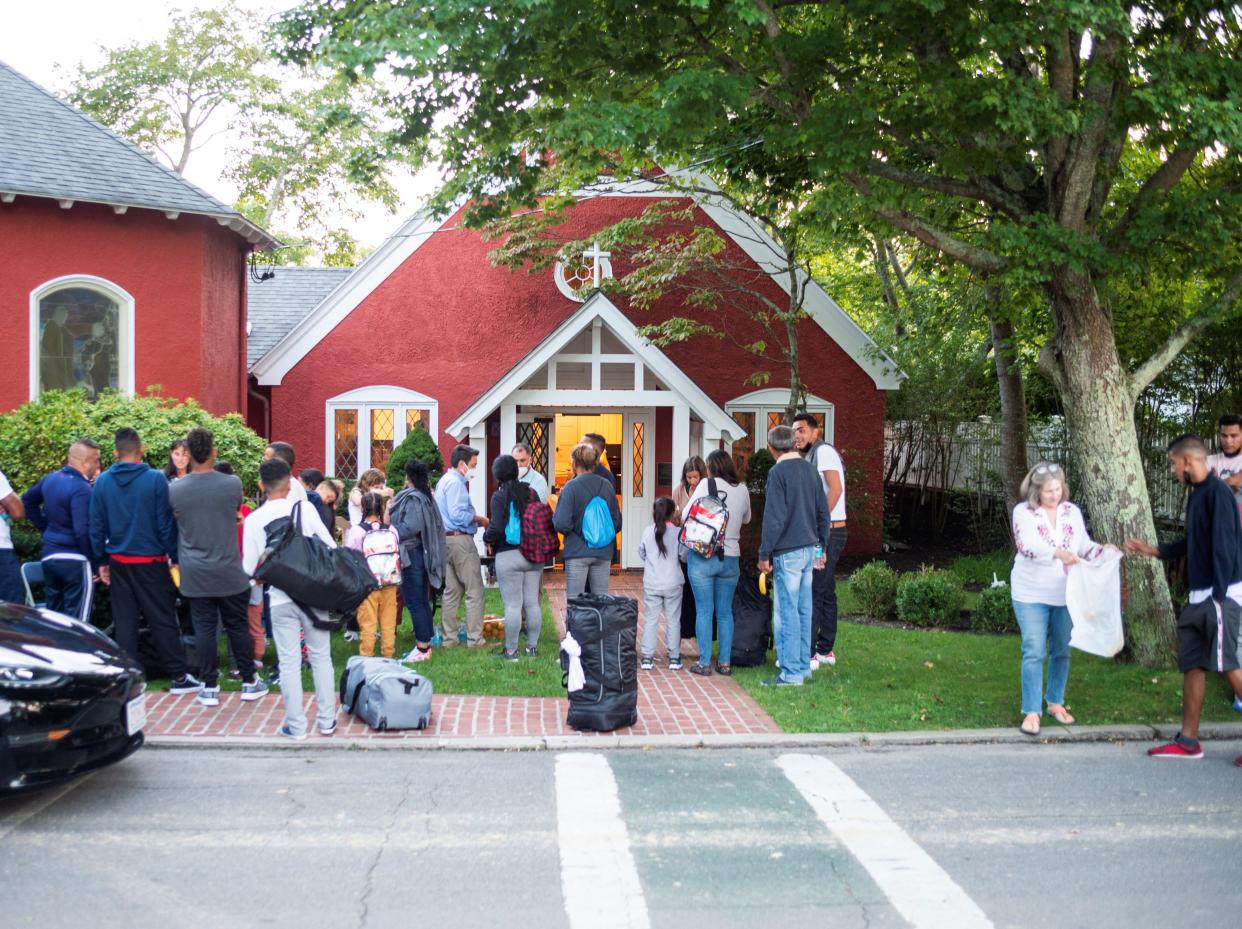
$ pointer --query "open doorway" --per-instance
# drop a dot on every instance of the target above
(569, 432)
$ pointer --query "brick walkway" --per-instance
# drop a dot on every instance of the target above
(670, 703)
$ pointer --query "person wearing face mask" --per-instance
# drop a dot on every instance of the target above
(463, 572)
(527, 474)
(1209, 630)
(1050, 535)
(1227, 463)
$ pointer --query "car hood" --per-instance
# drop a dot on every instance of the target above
(43, 639)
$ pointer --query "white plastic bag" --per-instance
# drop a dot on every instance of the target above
(1093, 596)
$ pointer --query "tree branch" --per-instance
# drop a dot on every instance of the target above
(977, 189)
(1151, 369)
(1161, 181)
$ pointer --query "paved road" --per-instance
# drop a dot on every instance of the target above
(944, 836)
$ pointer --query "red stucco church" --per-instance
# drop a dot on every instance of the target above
(112, 257)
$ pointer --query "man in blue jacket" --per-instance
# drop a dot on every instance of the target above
(60, 507)
(134, 538)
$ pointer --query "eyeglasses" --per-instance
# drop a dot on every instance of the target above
(1048, 469)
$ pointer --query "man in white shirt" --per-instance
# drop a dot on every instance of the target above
(831, 473)
(289, 622)
(11, 587)
(527, 473)
(284, 451)
(1227, 463)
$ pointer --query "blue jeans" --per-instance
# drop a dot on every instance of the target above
(11, 587)
(414, 593)
(713, 580)
(791, 619)
(1045, 633)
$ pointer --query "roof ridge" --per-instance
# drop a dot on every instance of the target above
(96, 124)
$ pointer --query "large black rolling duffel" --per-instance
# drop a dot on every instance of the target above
(606, 628)
(752, 621)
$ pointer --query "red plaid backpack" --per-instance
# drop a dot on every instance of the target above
(539, 542)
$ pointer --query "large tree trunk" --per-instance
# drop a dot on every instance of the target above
(1013, 464)
(1099, 411)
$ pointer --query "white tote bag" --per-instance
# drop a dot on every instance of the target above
(1093, 596)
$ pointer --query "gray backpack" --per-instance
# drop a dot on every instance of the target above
(385, 694)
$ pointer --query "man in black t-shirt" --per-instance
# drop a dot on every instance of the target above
(1209, 630)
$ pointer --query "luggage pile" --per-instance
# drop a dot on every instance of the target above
(599, 658)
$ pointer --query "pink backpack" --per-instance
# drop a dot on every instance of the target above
(381, 546)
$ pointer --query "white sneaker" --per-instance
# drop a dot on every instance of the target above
(830, 659)
(815, 662)
(209, 696)
(417, 654)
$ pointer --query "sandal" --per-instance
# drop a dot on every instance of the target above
(724, 669)
(1061, 715)
(701, 670)
(1030, 724)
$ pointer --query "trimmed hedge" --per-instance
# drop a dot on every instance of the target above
(874, 586)
(929, 598)
(994, 611)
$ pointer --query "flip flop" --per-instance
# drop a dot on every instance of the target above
(1062, 716)
(1032, 730)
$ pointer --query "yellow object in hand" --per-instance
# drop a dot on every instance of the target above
(175, 571)
(763, 583)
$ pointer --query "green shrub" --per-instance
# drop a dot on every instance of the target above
(874, 586)
(35, 438)
(994, 611)
(757, 469)
(979, 569)
(929, 598)
(416, 444)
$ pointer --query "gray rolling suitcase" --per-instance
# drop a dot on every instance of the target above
(385, 694)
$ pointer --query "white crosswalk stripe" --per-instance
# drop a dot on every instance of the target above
(918, 887)
(599, 880)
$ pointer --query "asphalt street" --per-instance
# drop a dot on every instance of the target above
(952, 836)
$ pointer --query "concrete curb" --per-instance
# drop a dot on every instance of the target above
(823, 740)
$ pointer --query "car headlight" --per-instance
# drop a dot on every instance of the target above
(22, 677)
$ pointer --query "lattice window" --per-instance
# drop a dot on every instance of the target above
(382, 432)
(639, 456)
(345, 444)
(744, 447)
(415, 417)
(535, 435)
(775, 418)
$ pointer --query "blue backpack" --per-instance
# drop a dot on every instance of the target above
(513, 528)
(598, 530)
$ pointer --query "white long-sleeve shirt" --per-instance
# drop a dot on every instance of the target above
(1038, 576)
(254, 535)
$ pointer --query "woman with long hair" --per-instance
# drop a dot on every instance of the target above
(715, 579)
(662, 585)
(178, 465)
(692, 472)
(517, 577)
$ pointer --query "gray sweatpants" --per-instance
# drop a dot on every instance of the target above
(669, 601)
(289, 624)
(579, 570)
(519, 589)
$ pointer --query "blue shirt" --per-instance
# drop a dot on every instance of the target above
(453, 501)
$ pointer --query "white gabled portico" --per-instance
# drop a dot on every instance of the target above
(596, 362)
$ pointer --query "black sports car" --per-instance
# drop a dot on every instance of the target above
(70, 699)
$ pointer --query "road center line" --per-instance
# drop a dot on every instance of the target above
(13, 820)
(599, 880)
(919, 888)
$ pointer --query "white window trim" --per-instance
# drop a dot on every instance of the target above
(773, 400)
(125, 325)
(364, 399)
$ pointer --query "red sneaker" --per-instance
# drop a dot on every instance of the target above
(1176, 750)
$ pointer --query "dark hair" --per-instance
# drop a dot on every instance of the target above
(505, 470)
(373, 505)
(224, 467)
(127, 442)
(808, 418)
(720, 464)
(693, 463)
(283, 451)
(199, 441)
(1188, 444)
(312, 476)
(462, 453)
(85, 442)
(1230, 419)
(170, 469)
(662, 514)
(416, 474)
(595, 439)
(273, 473)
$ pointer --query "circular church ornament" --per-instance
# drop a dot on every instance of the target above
(579, 276)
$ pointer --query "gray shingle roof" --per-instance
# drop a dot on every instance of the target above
(50, 149)
(279, 304)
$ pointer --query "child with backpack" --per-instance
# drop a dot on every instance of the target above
(381, 546)
(588, 518)
(662, 585)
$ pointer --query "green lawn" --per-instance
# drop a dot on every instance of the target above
(892, 679)
(458, 670)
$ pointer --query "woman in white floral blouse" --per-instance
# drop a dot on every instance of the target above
(1050, 536)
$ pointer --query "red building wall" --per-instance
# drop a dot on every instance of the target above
(448, 324)
(187, 278)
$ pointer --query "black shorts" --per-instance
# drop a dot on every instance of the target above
(1208, 640)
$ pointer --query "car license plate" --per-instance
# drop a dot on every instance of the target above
(136, 714)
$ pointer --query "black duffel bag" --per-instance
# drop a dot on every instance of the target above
(752, 621)
(314, 575)
(606, 629)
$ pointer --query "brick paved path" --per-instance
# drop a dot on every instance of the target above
(669, 703)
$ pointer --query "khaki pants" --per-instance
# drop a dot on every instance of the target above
(463, 574)
(380, 607)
